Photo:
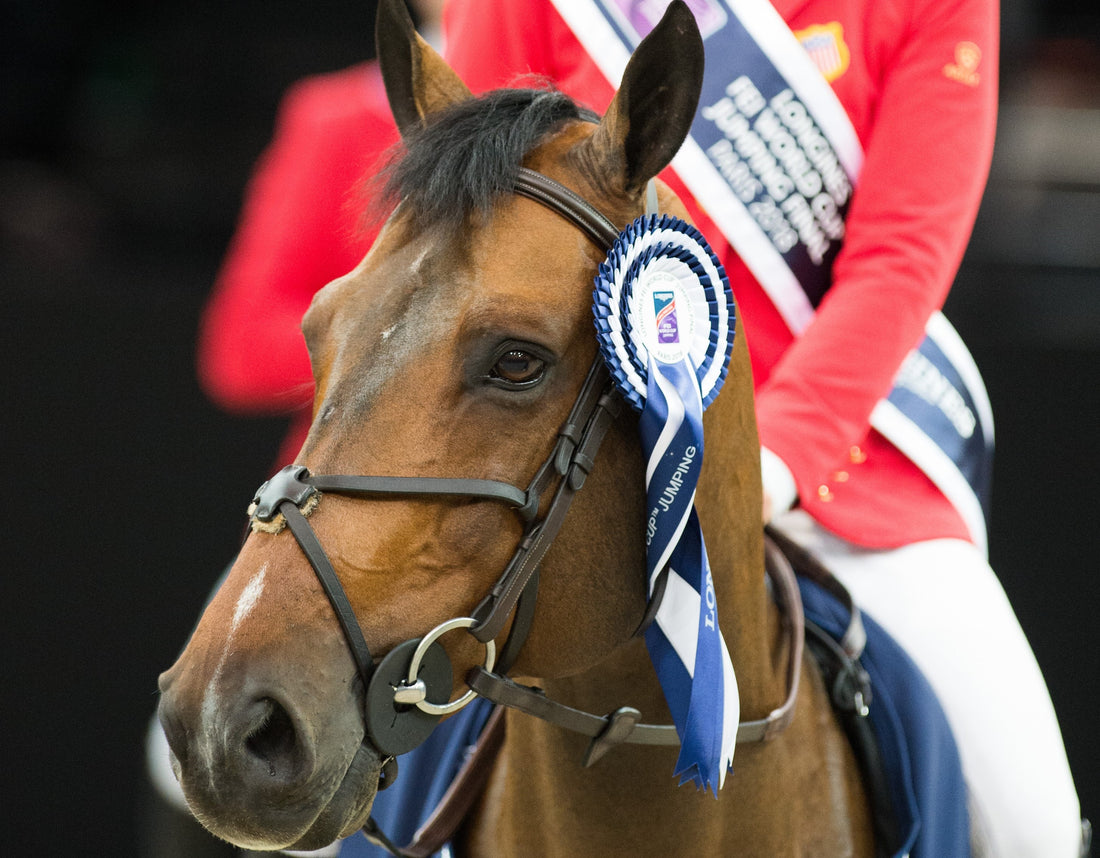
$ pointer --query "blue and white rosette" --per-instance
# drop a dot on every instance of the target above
(665, 322)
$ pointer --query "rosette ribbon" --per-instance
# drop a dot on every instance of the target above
(665, 321)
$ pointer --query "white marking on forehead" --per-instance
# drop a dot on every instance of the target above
(421, 322)
(415, 272)
(211, 700)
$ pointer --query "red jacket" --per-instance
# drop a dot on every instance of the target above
(925, 114)
(302, 225)
(925, 118)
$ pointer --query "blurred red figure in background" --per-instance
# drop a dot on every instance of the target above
(302, 224)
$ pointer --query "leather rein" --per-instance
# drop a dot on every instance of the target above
(407, 692)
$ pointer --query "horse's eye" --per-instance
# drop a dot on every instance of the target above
(517, 368)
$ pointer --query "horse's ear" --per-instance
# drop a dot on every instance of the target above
(652, 112)
(418, 80)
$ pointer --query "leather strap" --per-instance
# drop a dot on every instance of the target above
(463, 792)
(345, 614)
(596, 407)
(569, 205)
(789, 599)
(807, 565)
(613, 728)
(492, 490)
(521, 626)
(532, 701)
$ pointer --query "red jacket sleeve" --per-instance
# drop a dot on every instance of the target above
(921, 92)
(299, 228)
(928, 144)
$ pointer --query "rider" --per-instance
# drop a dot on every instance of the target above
(300, 227)
(918, 80)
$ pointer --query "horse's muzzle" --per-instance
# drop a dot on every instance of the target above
(252, 769)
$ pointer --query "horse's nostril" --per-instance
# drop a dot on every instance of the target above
(274, 739)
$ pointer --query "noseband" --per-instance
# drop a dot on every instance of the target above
(407, 692)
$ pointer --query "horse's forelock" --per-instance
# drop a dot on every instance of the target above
(467, 156)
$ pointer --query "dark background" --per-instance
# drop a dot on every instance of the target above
(127, 132)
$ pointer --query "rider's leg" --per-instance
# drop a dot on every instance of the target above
(942, 602)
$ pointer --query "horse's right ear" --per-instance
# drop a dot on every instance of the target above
(652, 112)
(418, 80)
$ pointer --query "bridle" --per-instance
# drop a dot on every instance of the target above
(406, 693)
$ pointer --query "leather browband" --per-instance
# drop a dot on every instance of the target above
(556, 197)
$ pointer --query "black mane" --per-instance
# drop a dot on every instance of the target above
(469, 154)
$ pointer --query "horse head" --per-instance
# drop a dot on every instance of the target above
(454, 351)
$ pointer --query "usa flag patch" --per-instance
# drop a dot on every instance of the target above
(826, 46)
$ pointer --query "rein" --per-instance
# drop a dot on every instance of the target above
(407, 691)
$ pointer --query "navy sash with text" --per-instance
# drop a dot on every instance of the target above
(773, 159)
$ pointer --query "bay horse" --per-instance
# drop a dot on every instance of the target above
(454, 361)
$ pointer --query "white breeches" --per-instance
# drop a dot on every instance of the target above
(943, 603)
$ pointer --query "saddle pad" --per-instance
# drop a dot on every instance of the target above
(919, 758)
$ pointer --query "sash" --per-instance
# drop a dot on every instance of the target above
(773, 158)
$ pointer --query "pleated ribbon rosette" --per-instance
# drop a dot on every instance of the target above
(665, 321)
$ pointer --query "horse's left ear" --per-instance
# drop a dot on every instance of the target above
(418, 80)
(652, 112)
